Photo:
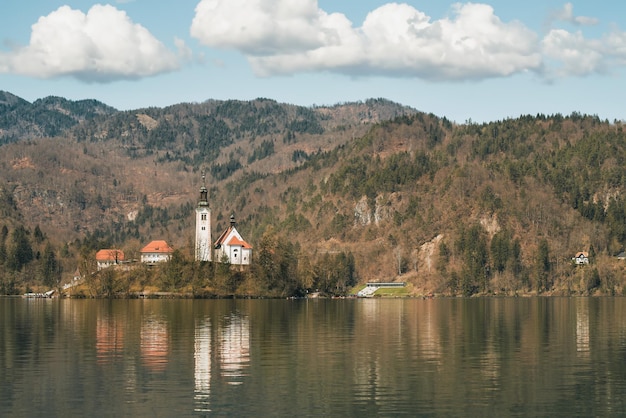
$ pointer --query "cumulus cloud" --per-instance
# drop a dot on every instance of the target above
(288, 37)
(572, 54)
(102, 45)
(264, 27)
(472, 42)
(566, 14)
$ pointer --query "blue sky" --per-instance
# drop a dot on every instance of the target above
(480, 61)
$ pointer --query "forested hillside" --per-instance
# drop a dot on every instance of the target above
(328, 196)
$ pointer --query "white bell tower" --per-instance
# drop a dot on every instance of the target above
(203, 226)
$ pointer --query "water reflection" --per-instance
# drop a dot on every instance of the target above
(348, 358)
(202, 366)
(235, 348)
(429, 338)
(582, 327)
(109, 340)
(154, 343)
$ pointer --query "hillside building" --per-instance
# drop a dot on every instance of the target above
(231, 248)
(582, 258)
(203, 226)
(156, 252)
(109, 257)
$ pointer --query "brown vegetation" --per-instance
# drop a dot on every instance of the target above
(498, 208)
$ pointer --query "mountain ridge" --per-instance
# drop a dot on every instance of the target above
(451, 209)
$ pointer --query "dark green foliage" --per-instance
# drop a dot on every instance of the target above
(20, 251)
(501, 250)
(49, 268)
(214, 134)
(38, 235)
(299, 155)
(173, 275)
(8, 207)
(367, 176)
(223, 171)
(46, 117)
(334, 274)
(264, 150)
(4, 233)
(543, 266)
(472, 245)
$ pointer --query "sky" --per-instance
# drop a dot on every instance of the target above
(479, 62)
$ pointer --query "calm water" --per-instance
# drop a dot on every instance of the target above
(441, 357)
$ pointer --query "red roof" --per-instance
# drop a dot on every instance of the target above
(233, 240)
(223, 236)
(158, 246)
(236, 241)
(110, 255)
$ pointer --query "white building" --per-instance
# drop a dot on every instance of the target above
(156, 252)
(203, 227)
(231, 247)
(581, 258)
(109, 257)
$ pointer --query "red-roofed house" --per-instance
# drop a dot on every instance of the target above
(156, 252)
(582, 257)
(109, 257)
(231, 247)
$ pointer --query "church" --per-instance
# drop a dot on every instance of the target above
(230, 247)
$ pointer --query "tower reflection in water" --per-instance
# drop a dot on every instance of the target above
(202, 369)
(232, 351)
(235, 348)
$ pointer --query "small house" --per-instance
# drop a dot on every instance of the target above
(109, 257)
(156, 252)
(581, 258)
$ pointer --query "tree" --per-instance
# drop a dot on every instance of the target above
(172, 274)
(542, 265)
(49, 267)
(399, 256)
(267, 268)
(500, 250)
(20, 251)
(38, 235)
(3, 244)
(472, 244)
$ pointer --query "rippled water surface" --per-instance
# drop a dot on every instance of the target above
(441, 357)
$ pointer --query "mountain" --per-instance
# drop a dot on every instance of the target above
(46, 117)
(494, 208)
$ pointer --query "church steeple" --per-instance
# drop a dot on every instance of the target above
(204, 200)
(203, 225)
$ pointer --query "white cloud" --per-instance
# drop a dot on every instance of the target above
(572, 55)
(289, 36)
(263, 27)
(102, 45)
(566, 14)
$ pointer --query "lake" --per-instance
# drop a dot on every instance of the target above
(336, 358)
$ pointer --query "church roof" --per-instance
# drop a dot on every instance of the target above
(236, 241)
(227, 239)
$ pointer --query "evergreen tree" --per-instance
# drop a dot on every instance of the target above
(49, 267)
(3, 244)
(543, 265)
(20, 251)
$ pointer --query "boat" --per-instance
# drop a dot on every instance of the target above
(34, 295)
